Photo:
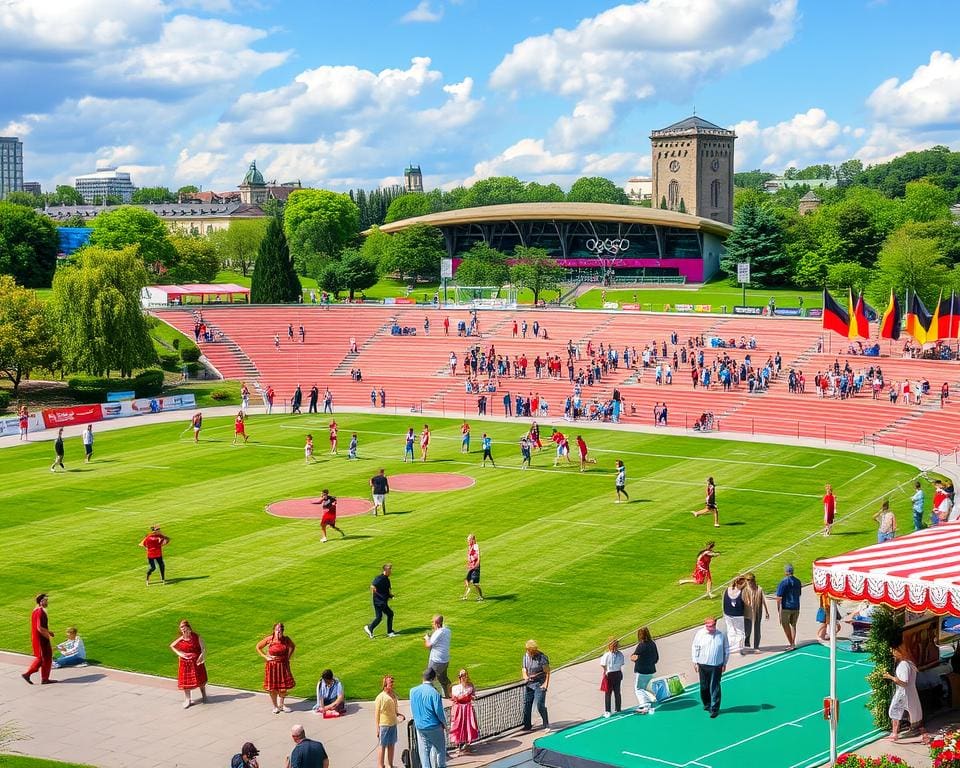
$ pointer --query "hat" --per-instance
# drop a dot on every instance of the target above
(249, 749)
(710, 622)
(788, 568)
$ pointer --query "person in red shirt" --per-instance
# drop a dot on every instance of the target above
(239, 429)
(192, 668)
(154, 542)
(40, 637)
(473, 569)
(446, 326)
(829, 509)
(582, 450)
(328, 506)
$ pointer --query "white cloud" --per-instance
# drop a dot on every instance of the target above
(616, 164)
(647, 50)
(885, 143)
(930, 99)
(459, 110)
(527, 158)
(422, 13)
(806, 138)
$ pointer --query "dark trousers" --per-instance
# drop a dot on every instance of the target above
(313, 407)
(381, 610)
(156, 562)
(534, 692)
(748, 624)
(710, 687)
(613, 690)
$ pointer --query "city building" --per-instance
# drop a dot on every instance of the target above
(11, 165)
(774, 185)
(190, 218)
(253, 189)
(96, 187)
(33, 187)
(693, 169)
(412, 179)
(639, 188)
(809, 203)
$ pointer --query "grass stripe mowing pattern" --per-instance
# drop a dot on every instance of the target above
(561, 562)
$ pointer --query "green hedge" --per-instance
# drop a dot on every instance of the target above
(4, 399)
(169, 361)
(93, 389)
(190, 353)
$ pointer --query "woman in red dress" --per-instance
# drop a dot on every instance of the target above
(829, 509)
(277, 677)
(463, 720)
(239, 430)
(192, 672)
(701, 571)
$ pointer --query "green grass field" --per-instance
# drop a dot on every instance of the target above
(18, 761)
(561, 562)
(715, 293)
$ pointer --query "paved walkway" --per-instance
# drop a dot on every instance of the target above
(114, 719)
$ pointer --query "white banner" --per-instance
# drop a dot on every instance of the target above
(743, 272)
(148, 405)
(10, 425)
(446, 268)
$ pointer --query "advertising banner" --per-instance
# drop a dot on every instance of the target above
(683, 307)
(404, 300)
(75, 414)
(814, 313)
(703, 308)
(148, 405)
(740, 310)
(115, 397)
(788, 312)
(610, 305)
(10, 425)
(634, 307)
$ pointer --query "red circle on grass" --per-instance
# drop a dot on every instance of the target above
(428, 482)
(304, 508)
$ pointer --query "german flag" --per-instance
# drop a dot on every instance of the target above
(835, 318)
(918, 319)
(948, 315)
(859, 319)
(933, 327)
(892, 319)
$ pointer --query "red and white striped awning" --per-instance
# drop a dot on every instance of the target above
(920, 572)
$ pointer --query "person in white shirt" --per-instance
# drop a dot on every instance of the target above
(612, 662)
(330, 697)
(439, 644)
(87, 438)
(72, 650)
(710, 653)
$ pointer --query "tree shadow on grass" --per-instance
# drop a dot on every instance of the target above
(354, 536)
(178, 579)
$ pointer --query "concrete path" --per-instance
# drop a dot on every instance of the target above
(113, 719)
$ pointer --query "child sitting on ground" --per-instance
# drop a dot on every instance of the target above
(72, 651)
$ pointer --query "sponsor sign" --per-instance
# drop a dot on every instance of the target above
(77, 414)
(788, 312)
(446, 268)
(146, 405)
(703, 308)
(683, 307)
(814, 313)
(630, 306)
(404, 300)
(741, 310)
(113, 397)
(10, 425)
(611, 305)
(743, 272)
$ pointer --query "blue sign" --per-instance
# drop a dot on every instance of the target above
(116, 397)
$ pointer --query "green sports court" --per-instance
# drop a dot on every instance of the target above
(772, 707)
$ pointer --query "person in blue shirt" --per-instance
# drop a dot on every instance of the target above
(917, 500)
(426, 707)
(788, 605)
(487, 443)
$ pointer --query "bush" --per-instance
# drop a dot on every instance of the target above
(853, 760)
(4, 399)
(221, 394)
(93, 389)
(175, 343)
(194, 370)
(169, 361)
(148, 383)
(190, 353)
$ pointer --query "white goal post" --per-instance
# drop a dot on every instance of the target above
(486, 296)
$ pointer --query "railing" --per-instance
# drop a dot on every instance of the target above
(497, 712)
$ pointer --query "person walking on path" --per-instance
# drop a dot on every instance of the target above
(620, 484)
(328, 507)
(755, 608)
(40, 637)
(710, 653)
(58, 452)
(197, 423)
(307, 753)
(701, 571)
(154, 542)
(192, 669)
(277, 676)
(612, 664)
(380, 590)
(385, 719)
(380, 487)
(463, 720)
(426, 708)
(535, 670)
(487, 443)
(87, 438)
(829, 509)
(645, 657)
(711, 504)
(239, 428)
(906, 700)
(473, 569)
(438, 641)
(788, 605)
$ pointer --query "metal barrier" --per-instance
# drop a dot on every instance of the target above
(497, 711)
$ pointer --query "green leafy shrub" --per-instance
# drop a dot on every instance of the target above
(886, 632)
(4, 399)
(175, 343)
(169, 361)
(190, 353)
(148, 383)
(221, 394)
(93, 389)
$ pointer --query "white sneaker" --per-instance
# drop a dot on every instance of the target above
(323, 540)
(393, 634)
(368, 631)
(606, 714)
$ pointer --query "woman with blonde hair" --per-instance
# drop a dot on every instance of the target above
(463, 720)
(385, 718)
(645, 657)
(755, 608)
(612, 662)
(192, 669)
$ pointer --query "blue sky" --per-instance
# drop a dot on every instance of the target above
(340, 95)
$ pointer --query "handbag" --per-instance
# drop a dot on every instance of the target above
(604, 685)
(821, 615)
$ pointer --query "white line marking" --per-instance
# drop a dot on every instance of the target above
(857, 477)
(654, 759)
(554, 583)
(103, 509)
(149, 466)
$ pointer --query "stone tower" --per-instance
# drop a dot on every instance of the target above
(693, 169)
(253, 189)
(412, 179)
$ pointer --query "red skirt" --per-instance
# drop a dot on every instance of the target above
(700, 574)
(328, 519)
(191, 675)
(277, 676)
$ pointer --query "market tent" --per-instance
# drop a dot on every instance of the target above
(162, 295)
(919, 572)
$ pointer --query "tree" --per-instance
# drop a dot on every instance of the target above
(416, 251)
(97, 314)
(28, 245)
(27, 340)
(187, 190)
(752, 179)
(922, 201)
(821, 171)
(848, 275)
(909, 263)
(483, 265)
(534, 269)
(130, 225)
(319, 223)
(64, 195)
(237, 245)
(74, 221)
(938, 164)
(811, 270)
(274, 279)
(27, 199)
(757, 238)
(496, 190)
(331, 279)
(848, 172)
(596, 189)
(357, 272)
(376, 247)
(153, 195)
(197, 260)
(407, 206)
(543, 193)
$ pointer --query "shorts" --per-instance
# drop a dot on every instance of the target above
(473, 575)
(388, 735)
(788, 617)
(486, 455)
(620, 487)
(328, 519)
(378, 499)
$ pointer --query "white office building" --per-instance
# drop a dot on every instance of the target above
(11, 165)
(97, 186)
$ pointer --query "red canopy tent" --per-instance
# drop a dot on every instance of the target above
(919, 572)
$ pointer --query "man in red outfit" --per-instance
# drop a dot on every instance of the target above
(42, 647)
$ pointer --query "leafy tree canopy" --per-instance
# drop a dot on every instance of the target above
(274, 280)
(28, 245)
(27, 199)
(320, 223)
(64, 195)
(416, 252)
(496, 190)
(27, 340)
(236, 246)
(132, 225)
(534, 269)
(153, 195)
(482, 265)
(596, 189)
(757, 238)
(752, 179)
(409, 205)
(909, 263)
(196, 262)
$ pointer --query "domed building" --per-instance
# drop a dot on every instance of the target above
(253, 189)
